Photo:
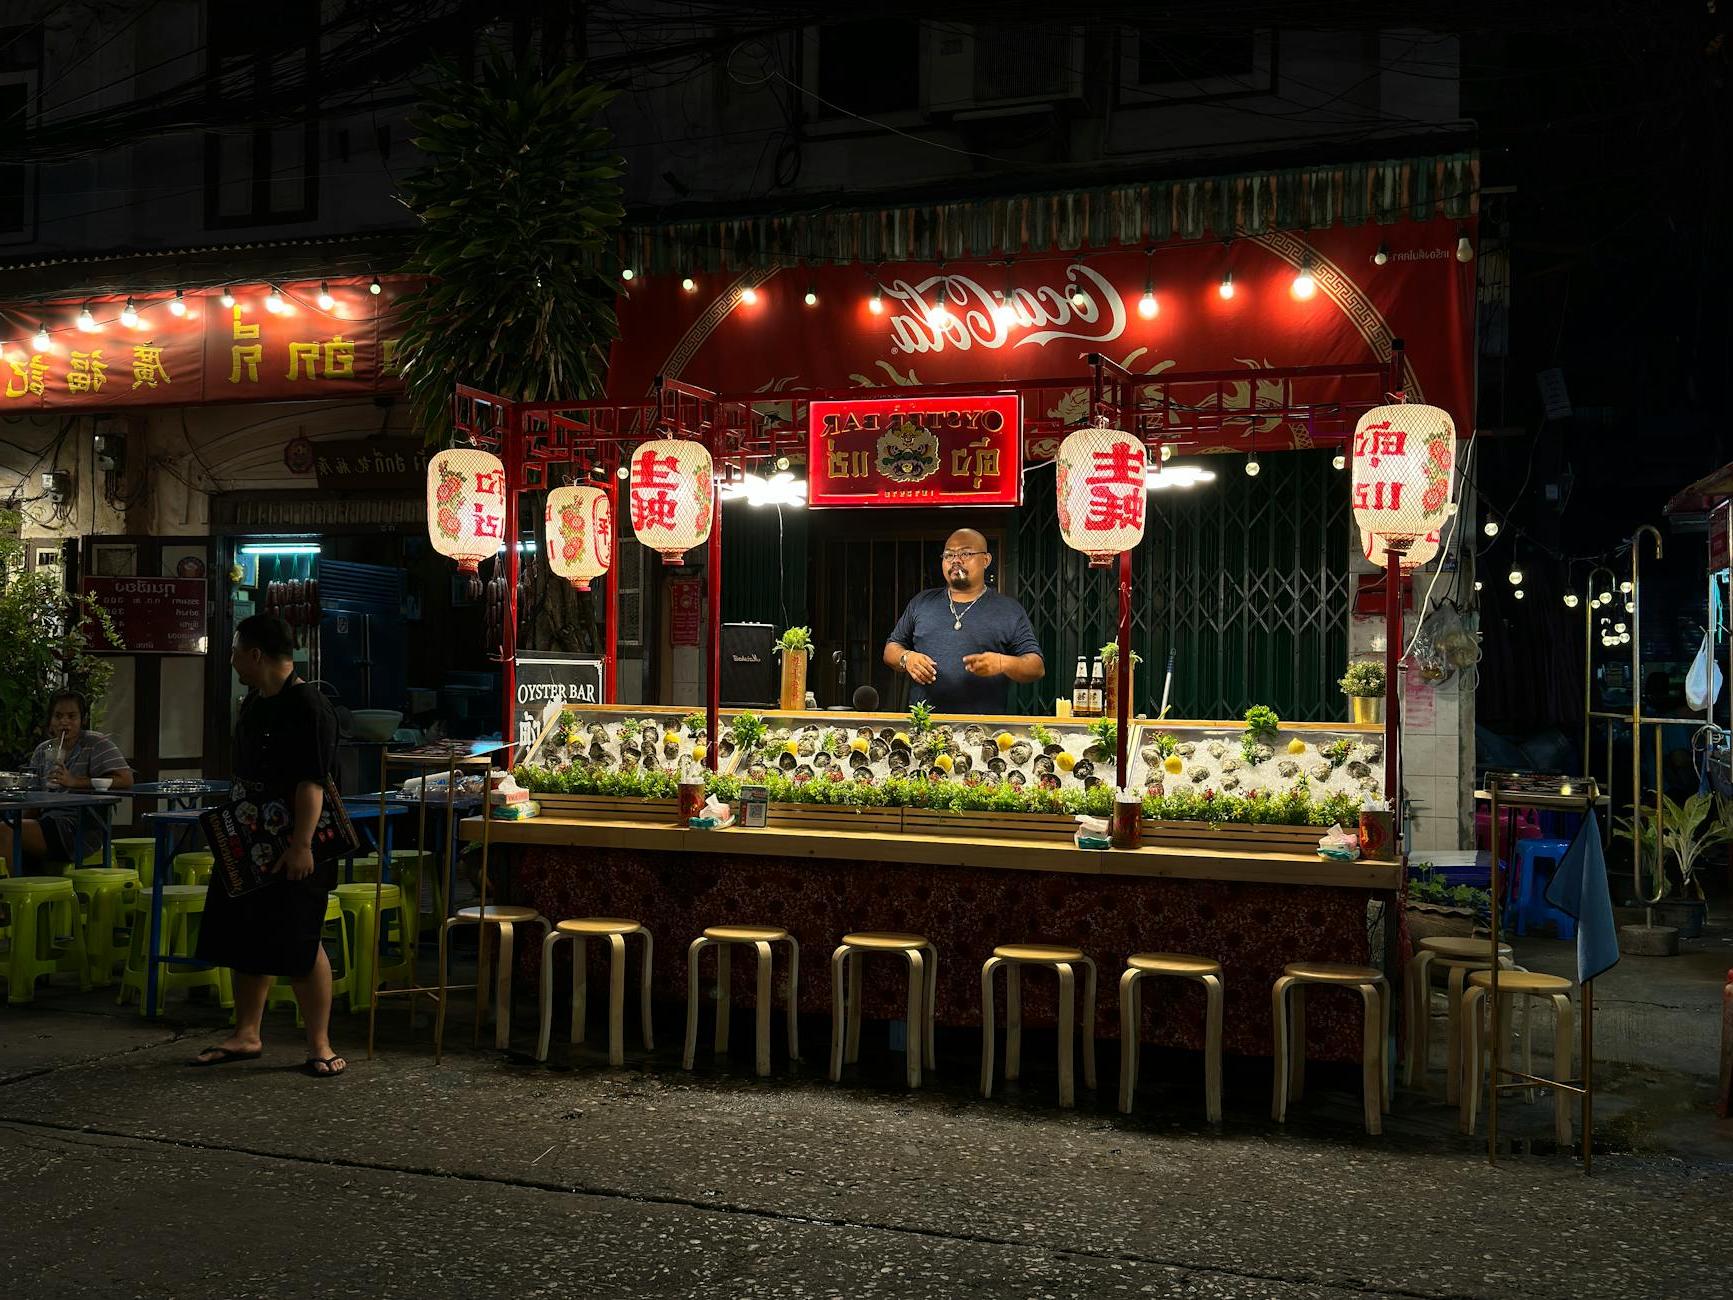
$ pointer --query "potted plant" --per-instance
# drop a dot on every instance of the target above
(1686, 831)
(1110, 671)
(1363, 684)
(795, 647)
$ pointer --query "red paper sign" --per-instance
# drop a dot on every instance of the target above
(685, 611)
(162, 616)
(916, 451)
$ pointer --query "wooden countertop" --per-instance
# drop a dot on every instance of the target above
(947, 850)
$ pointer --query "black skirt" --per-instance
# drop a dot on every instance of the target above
(271, 931)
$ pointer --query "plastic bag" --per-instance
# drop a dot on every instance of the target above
(1703, 682)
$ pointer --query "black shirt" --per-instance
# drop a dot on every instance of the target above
(284, 739)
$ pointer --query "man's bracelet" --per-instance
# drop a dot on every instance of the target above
(903, 663)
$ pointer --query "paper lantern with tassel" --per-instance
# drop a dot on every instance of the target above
(580, 533)
(1404, 475)
(1099, 484)
(466, 506)
(671, 496)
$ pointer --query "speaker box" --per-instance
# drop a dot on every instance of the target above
(749, 668)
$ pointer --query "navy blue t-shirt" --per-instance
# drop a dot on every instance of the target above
(990, 622)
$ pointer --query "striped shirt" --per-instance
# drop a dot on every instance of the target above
(92, 754)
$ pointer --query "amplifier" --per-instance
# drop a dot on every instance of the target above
(749, 668)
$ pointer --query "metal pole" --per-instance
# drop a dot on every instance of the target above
(1392, 696)
(1637, 737)
(1492, 996)
(611, 609)
(512, 457)
(713, 653)
(1589, 1073)
(1122, 667)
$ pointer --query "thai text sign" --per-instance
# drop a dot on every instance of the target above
(916, 451)
(372, 464)
(164, 616)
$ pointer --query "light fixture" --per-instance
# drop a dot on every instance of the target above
(1477, 584)
(1252, 467)
(1147, 307)
(782, 463)
(1630, 607)
(86, 321)
(1517, 593)
(1625, 639)
(1515, 576)
(876, 303)
(1570, 600)
(1166, 451)
(375, 287)
(1176, 476)
(274, 301)
(938, 316)
(627, 273)
(1338, 461)
(129, 315)
(178, 304)
(1464, 249)
(811, 298)
(689, 284)
(1079, 298)
(749, 295)
(326, 301)
(625, 471)
(42, 342)
(280, 548)
(1226, 288)
(1618, 627)
(1382, 256)
(780, 489)
(1491, 527)
(1304, 285)
(1004, 313)
(1625, 587)
(228, 298)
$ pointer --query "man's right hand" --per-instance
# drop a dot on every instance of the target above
(921, 668)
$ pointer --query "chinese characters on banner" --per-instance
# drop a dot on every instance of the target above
(213, 353)
(1404, 472)
(916, 451)
(1099, 484)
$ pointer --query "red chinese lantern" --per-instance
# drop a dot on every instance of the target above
(671, 496)
(580, 533)
(466, 506)
(1404, 477)
(1100, 487)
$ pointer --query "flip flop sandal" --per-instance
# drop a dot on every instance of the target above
(222, 1056)
(311, 1067)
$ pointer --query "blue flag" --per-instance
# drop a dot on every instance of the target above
(1579, 890)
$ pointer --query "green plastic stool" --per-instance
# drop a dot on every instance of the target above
(139, 853)
(357, 904)
(47, 934)
(181, 906)
(408, 870)
(107, 896)
(193, 868)
(282, 992)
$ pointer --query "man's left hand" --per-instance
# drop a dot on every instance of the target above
(65, 780)
(296, 862)
(986, 664)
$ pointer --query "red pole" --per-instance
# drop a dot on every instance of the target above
(510, 457)
(1122, 665)
(611, 611)
(1392, 696)
(713, 655)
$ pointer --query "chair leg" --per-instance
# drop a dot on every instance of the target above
(1384, 994)
(616, 1000)
(987, 969)
(1419, 993)
(1212, 1049)
(1014, 1021)
(1372, 1061)
(914, 1041)
(1089, 991)
(645, 1020)
(1279, 1019)
(545, 1031)
(1128, 1039)
(1469, 1095)
(502, 986)
(1297, 1044)
(580, 989)
(483, 951)
(762, 1017)
(1563, 1038)
(697, 946)
(444, 995)
(1455, 981)
(793, 999)
(1067, 1027)
(851, 1051)
(724, 994)
(838, 1012)
(932, 983)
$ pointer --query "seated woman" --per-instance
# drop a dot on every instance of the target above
(66, 761)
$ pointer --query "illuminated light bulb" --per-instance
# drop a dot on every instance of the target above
(129, 315)
(782, 463)
(1625, 587)
(1005, 314)
(86, 321)
(1166, 451)
(625, 471)
(228, 298)
(42, 342)
(938, 316)
(1618, 627)
(749, 295)
(1625, 639)
(1338, 461)
(1304, 285)
(811, 298)
(1382, 256)
(1147, 307)
(1079, 299)
(1477, 584)
(1450, 507)
(689, 284)
(326, 301)
(1252, 467)
(1226, 288)
(1570, 600)
(1517, 593)
(178, 304)
(1464, 249)
(876, 303)
(274, 301)
(1491, 528)
(1515, 576)
(375, 287)
(1630, 607)
(627, 273)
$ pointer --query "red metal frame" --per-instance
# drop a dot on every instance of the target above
(1237, 410)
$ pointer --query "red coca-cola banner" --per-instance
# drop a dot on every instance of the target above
(317, 339)
(985, 322)
(930, 451)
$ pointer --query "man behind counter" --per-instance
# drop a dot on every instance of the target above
(962, 644)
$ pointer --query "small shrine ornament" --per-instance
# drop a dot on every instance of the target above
(580, 527)
(466, 506)
(672, 496)
(1100, 486)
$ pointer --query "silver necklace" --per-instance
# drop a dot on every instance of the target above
(956, 618)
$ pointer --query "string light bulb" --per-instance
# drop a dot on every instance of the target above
(375, 288)
(326, 301)
(41, 342)
(1618, 627)
(876, 303)
(749, 295)
(1517, 593)
(228, 298)
(178, 304)
(811, 298)
(689, 284)
(1491, 527)
(1304, 285)
(129, 315)
(1477, 584)
(1079, 298)
(938, 315)
(625, 471)
(1167, 451)
(1570, 600)
(1464, 249)
(1515, 576)
(86, 321)
(1382, 256)
(1004, 313)
(1226, 287)
(274, 301)
(1147, 307)
(1338, 461)
(1625, 586)
(1252, 467)
(627, 273)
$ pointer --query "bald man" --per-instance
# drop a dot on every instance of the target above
(963, 644)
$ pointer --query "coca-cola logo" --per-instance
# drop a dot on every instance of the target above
(952, 311)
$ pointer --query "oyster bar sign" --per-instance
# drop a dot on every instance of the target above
(916, 451)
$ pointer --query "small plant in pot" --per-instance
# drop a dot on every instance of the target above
(1363, 684)
(1686, 832)
(795, 647)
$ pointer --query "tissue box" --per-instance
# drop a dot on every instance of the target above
(517, 812)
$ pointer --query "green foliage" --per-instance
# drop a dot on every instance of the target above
(1293, 807)
(920, 718)
(1363, 679)
(42, 645)
(1262, 723)
(1337, 751)
(748, 731)
(584, 778)
(1163, 742)
(693, 723)
(1424, 886)
(1686, 833)
(836, 742)
(1110, 652)
(797, 640)
(1042, 735)
(629, 729)
(725, 788)
(1106, 733)
(517, 209)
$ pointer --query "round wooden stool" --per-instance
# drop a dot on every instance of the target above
(580, 932)
(502, 919)
(1517, 983)
(1013, 957)
(1457, 957)
(1290, 1034)
(1141, 966)
(759, 938)
(923, 962)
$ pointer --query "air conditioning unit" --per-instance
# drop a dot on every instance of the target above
(986, 69)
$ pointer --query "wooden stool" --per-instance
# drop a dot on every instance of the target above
(580, 932)
(847, 960)
(1510, 984)
(1458, 957)
(503, 919)
(1290, 1034)
(1013, 957)
(759, 937)
(1206, 972)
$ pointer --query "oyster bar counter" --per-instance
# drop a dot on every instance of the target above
(961, 828)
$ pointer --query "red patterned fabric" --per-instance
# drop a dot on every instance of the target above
(1252, 929)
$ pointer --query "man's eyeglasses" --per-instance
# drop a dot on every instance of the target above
(961, 555)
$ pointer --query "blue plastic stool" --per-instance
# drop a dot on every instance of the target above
(1531, 905)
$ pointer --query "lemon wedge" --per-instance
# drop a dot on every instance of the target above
(859, 744)
(1064, 761)
(1005, 740)
(791, 747)
(1174, 764)
(943, 762)
(1296, 746)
